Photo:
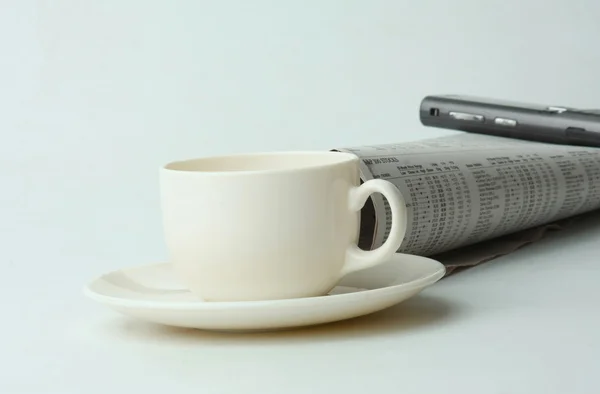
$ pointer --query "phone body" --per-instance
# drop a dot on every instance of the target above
(535, 122)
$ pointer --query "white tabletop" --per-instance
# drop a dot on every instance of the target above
(524, 323)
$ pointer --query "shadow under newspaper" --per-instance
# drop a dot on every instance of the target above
(468, 256)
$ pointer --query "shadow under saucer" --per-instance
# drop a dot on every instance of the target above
(417, 313)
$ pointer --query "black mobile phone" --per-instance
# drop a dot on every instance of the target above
(535, 122)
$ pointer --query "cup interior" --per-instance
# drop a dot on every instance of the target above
(261, 162)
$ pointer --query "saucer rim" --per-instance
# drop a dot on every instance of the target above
(427, 280)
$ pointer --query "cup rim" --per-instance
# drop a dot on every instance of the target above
(344, 158)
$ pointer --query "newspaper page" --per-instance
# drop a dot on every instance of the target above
(467, 188)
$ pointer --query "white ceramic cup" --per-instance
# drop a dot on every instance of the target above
(267, 226)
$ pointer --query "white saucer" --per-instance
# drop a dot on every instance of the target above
(152, 293)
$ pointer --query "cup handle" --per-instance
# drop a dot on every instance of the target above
(358, 259)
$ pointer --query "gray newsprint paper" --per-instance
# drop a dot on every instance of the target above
(465, 189)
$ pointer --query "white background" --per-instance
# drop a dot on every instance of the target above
(96, 95)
